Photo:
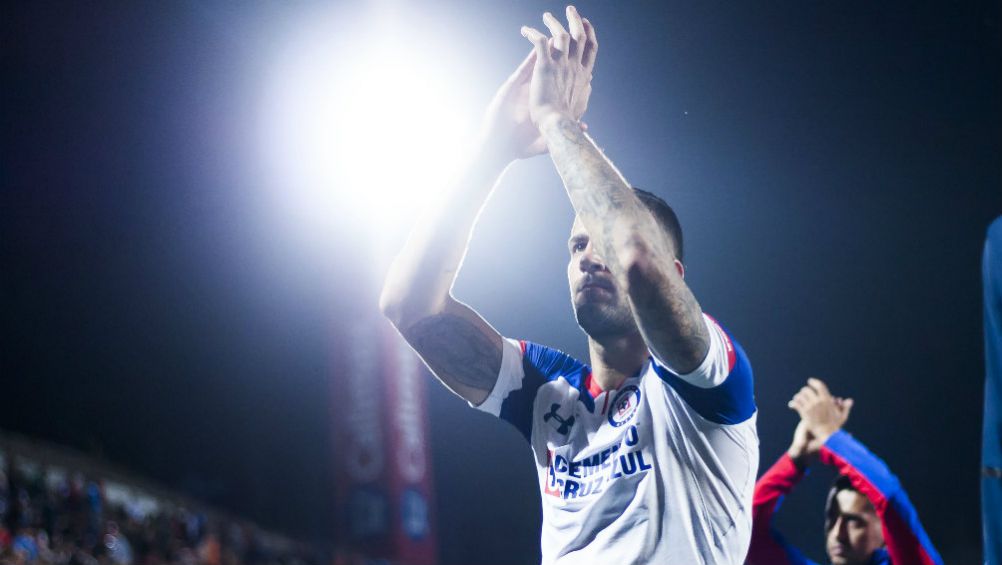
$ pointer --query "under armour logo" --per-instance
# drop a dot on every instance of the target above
(565, 425)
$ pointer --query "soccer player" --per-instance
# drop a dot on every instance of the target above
(648, 454)
(868, 517)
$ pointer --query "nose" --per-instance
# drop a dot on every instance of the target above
(841, 531)
(590, 262)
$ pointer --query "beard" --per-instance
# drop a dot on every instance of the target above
(606, 320)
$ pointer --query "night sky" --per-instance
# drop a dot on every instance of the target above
(834, 165)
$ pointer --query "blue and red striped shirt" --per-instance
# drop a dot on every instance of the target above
(905, 538)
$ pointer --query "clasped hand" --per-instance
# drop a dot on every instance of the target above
(561, 75)
(821, 415)
(553, 80)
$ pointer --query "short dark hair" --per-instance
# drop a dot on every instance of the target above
(665, 216)
(840, 484)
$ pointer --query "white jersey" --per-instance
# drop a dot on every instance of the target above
(660, 470)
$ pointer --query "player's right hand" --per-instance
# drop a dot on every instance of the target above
(507, 133)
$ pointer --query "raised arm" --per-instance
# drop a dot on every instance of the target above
(457, 344)
(460, 348)
(818, 416)
(638, 253)
(824, 415)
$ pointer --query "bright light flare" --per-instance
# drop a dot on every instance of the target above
(365, 128)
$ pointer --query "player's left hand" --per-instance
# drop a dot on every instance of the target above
(561, 78)
(820, 413)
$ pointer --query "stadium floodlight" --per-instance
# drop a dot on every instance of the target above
(363, 128)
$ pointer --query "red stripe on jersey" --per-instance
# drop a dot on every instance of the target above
(546, 482)
(593, 388)
(731, 355)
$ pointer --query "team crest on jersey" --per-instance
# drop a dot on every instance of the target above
(624, 406)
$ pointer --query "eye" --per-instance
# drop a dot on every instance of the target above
(578, 246)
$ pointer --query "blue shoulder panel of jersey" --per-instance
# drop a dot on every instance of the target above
(541, 365)
(731, 402)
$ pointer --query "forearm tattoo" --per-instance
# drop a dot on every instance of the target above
(686, 339)
(457, 350)
(608, 208)
(602, 198)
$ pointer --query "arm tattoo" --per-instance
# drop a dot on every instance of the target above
(601, 197)
(457, 350)
(616, 220)
(685, 341)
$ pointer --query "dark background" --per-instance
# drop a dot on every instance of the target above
(834, 166)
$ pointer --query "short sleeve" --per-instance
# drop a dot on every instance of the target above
(510, 377)
(721, 388)
(526, 366)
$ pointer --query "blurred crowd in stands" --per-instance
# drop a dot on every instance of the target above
(59, 516)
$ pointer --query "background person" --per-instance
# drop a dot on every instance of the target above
(868, 517)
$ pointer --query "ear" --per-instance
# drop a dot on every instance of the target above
(680, 268)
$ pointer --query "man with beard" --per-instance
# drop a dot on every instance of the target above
(648, 453)
(868, 517)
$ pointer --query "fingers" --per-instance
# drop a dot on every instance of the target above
(561, 39)
(802, 399)
(524, 70)
(819, 386)
(579, 44)
(590, 49)
(796, 404)
(540, 42)
(579, 37)
(846, 408)
(808, 393)
(806, 397)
